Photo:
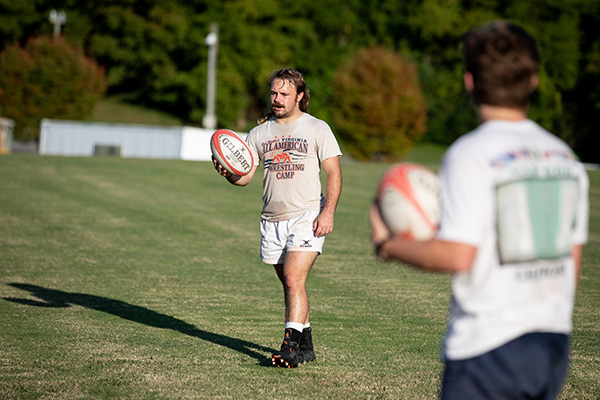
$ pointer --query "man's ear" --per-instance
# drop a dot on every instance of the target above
(468, 80)
(299, 97)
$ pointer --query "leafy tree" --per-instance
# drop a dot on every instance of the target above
(451, 112)
(583, 101)
(47, 79)
(379, 109)
(440, 26)
(18, 20)
(154, 52)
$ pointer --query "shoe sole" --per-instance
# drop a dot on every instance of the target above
(280, 362)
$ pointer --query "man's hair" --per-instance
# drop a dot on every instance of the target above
(296, 79)
(502, 57)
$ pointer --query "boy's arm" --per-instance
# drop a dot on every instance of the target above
(431, 255)
(577, 254)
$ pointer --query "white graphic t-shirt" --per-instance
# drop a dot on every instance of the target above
(518, 194)
(291, 155)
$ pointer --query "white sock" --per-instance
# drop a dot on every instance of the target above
(294, 325)
(307, 325)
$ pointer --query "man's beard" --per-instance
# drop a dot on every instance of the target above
(280, 113)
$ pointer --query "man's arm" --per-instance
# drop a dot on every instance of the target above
(431, 255)
(234, 179)
(323, 224)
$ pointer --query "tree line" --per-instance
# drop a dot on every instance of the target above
(153, 53)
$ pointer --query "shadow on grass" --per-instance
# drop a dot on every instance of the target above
(57, 298)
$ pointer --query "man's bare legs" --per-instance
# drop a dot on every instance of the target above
(293, 274)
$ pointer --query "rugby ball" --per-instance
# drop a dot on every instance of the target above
(231, 152)
(409, 201)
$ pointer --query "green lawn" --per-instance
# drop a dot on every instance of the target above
(115, 109)
(140, 279)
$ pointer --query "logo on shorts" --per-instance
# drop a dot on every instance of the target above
(306, 243)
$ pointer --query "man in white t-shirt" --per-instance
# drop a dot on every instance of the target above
(293, 146)
(514, 222)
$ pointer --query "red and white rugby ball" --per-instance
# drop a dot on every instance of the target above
(231, 152)
(409, 201)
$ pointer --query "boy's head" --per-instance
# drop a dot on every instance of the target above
(503, 60)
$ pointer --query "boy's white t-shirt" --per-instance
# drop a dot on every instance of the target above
(291, 155)
(518, 194)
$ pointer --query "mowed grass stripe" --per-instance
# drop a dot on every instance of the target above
(123, 278)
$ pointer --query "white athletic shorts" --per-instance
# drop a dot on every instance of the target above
(296, 234)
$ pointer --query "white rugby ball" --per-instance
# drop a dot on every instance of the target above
(231, 152)
(409, 201)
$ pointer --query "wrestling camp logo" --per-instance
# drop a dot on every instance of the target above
(284, 156)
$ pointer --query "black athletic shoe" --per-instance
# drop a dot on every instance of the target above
(287, 357)
(307, 352)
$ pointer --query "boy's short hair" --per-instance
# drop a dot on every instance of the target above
(502, 57)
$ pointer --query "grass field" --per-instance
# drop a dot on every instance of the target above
(139, 279)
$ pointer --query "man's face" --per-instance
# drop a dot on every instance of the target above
(284, 99)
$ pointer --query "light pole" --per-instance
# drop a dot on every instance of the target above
(209, 121)
(58, 18)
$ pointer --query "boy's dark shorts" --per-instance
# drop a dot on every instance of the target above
(533, 366)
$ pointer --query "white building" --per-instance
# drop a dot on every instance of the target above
(83, 139)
